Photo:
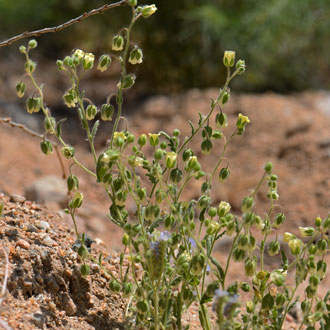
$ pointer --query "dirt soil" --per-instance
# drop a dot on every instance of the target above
(45, 289)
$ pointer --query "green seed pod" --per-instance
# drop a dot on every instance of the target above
(326, 224)
(50, 124)
(159, 153)
(68, 151)
(91, 112)
(305, 306)
(243, 241)
(321, 246)
(314, 281)
(277, 278)
(274, 248)
(84, 270)
(247, 204)
(318, 222)
(238, 255)
(249, 306)
(279, 220)
(212, 212)
(240, 66)
(125, 239)
(20, 89)
(204, 202)
(312, 249)
(30, 66)
(127, 289)
(280, 300)
(187, 154)
(245, 287)
(321, 268)
(142, 306)
(142, 193)
(88, 61)
(192, 163)
(176, 175)
(206, 147)
(295, 246)
(46, 147)
(250, 267)
(221, 120)
(171, 159)
(148, 10)
(22, 49)
(225, 98)
(127, 82)
(132, 3)
(104, 63)
(107, 112)
(136, 56)
(117, 43)
(224, 173)
(197, 264)
(310, 292)
(306, 231)
(142, 140)
(76, 201)
(217, 134)
(115, 286)
(72, 183)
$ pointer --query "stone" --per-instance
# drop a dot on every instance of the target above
(17, 198)
(47, 189)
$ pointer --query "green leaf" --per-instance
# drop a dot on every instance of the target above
(192, 127)
(94, 130)
(59, 127)
(220, 269)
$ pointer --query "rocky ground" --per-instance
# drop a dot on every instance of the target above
(45, 288)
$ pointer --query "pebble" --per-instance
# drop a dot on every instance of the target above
(11, 232)
(44, 225)
(39, 320)
(48, 241)
(17, 198)
(23, 244)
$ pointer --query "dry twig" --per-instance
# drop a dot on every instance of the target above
(80, 18)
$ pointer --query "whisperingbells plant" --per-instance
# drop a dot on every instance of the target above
(166, 271)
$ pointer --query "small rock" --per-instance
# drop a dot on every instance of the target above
(11, 232)
(17, 198)
(44, 225)
(47, 189)
(39, 320)
(48, 241)
(23, 244)
(68, 305)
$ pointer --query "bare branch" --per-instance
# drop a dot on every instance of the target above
(64, 25)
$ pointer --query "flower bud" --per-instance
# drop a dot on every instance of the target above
(306, 231)
(225, 98)
(197, 264)
(229, 58)
(127, 289)
(153, 139)
(104, 63)
(212, 228)
(79, 54)
(204, 202)
(193, 164)
(326, 223)
(132, 3)
(240, 66)
(30, 66)
(310, 292)
(242, 121)
(60, 65)
(318, 222)
(231, 226)
(46, 147)
(77, 200)
(224, 173)
(223, 208)
(287, 237)
(171, 159)
(32, 44)
(245, 287)
(117, 43)
(295, 246)
(22, 49)
(268, 168)
(107, 112)
(70, 98)
(135, 56)
(68, 151)
(142, 140)
(148, 10)
(321, 246)
(212, 212)
(88, 61)
(249, 306)
(20, 89)
(91, 112)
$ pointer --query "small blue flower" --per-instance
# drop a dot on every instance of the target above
(192, 243)
(164, 236)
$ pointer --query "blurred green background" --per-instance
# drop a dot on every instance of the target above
(285, 42)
